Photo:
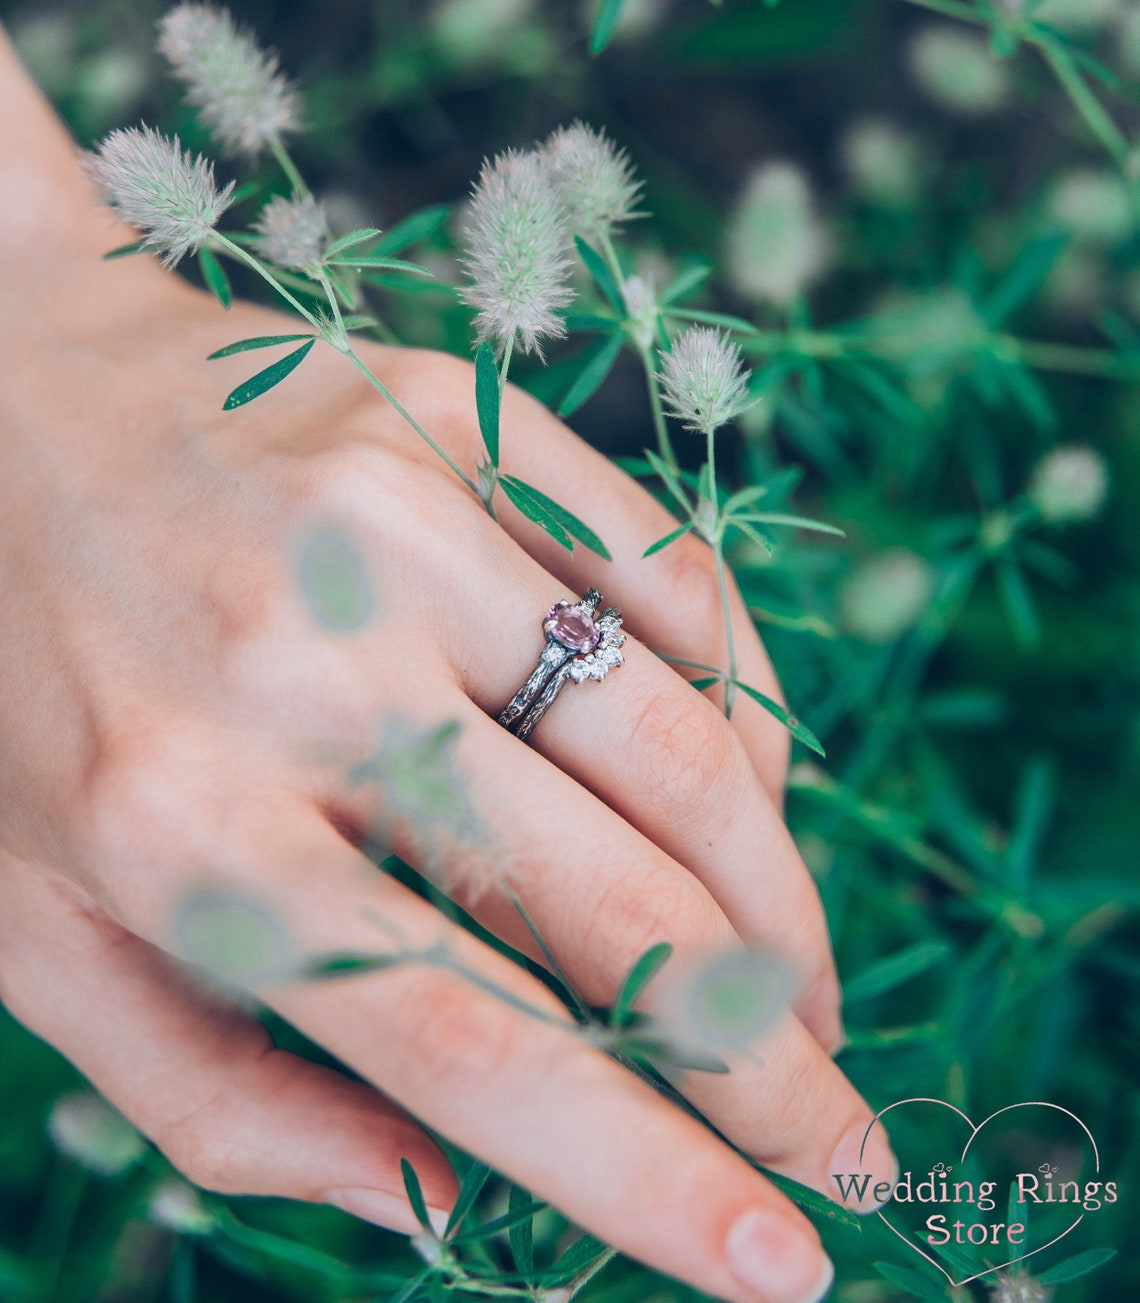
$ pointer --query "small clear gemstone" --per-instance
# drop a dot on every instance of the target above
(572, 627)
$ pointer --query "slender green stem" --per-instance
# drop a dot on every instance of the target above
(505, 365)
(710, 457)
(281, 154)
(1096, 116)
(236, 251)
(330, 294)
(610, 255)
(952, 9)
(722, 576)
(1041, 355)
(347, 350)
(58, 1212)
(664, 443)
(1070, 359)
(726, 611)
(382, 388)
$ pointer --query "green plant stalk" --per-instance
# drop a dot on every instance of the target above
(505, 365)
(238, 252)
(722, 578)
(294, 177)
(664, 443)
(610, 255)
(1095, 115)
(330, 294)
(59, 1209)
(951, 9)
(1040, 355)
(382, 389)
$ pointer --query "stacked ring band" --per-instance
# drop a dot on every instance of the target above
(578, 647)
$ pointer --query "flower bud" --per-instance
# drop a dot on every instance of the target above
(293, 232)
(886, 595)
(1069, 484)
(86, 1128)
(958, 71)
(776, 245)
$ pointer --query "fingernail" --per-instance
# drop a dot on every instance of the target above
(862, 1182)
(819, 1011)
(777, 1262)
(388, 1210)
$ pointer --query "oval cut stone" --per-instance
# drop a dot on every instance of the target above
(572, 627)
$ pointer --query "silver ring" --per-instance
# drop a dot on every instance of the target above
(578, 647)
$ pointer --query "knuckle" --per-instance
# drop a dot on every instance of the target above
(128, 802)
(695, 763)
(207, 1142)
(203, 1154)
(636, 912)
(690, 577)
(794, 1108)
(436, 386)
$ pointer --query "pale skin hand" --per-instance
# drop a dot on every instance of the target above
(174, 716)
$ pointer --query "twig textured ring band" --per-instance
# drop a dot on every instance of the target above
(578, 647)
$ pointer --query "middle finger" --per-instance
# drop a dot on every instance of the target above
(666, 760)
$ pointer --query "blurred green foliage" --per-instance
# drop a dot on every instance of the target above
(972, 670)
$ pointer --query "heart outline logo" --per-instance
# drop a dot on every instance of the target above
(974, 1130)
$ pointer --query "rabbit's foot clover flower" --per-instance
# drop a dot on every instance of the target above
(595, 179)
(886, 595)
(293, 232)
(1069, 484)
(168, 196)
(1009, 1287)
(704, 380)
(86, 1128)
(243, 96)
(776, 244)
(883, 161)
(517, 253)
(1094, 205)
(958, 70)
(177, 1206)
(644, 313)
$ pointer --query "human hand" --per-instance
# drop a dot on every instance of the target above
(177, 719)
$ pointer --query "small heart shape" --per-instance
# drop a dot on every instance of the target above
(944, 1168)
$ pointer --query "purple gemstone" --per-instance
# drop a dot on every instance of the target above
(572, 627)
